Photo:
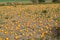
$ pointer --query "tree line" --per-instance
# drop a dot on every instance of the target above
(40, 1)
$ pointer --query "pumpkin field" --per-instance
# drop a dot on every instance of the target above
(29, 22)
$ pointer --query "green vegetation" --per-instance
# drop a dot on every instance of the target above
(58, 19)
(12, 0)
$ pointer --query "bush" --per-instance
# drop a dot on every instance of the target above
(37, 1)
(56, 1)
(41, 1)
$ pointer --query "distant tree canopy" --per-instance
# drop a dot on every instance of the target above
(39, 1)
(56, 0)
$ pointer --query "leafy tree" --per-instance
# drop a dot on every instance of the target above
(56, 0)
(37, 1)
